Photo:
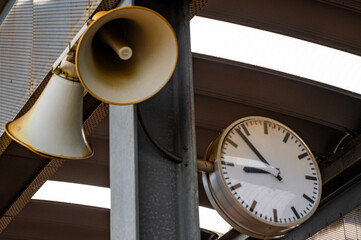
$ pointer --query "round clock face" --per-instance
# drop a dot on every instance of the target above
(265, 172)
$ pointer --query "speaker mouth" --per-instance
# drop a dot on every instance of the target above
(42, 153)
(53, 126)
(154, 56)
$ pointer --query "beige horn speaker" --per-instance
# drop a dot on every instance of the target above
(53, 127)
(126, 55)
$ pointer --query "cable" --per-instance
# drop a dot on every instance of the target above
(172, 156)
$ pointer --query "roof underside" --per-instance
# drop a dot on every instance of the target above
(326, 118)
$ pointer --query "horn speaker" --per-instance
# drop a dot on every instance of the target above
(126, 55)
(53, 127)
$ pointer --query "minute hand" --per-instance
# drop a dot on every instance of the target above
(250, 145)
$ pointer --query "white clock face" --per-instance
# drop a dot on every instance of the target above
(270, 171)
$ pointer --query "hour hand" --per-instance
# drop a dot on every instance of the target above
(254, 170)
(265, 170)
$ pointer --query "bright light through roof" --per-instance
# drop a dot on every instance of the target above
(100, 197)
(74, 193)
(211, 220)
(277, 52)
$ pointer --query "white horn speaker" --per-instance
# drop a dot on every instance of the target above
(53, 127)
(126, 55)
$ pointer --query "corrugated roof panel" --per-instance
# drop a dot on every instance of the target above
(14, 64)
(352, 225)
(334, 231)
(347, 228)
(32, 36)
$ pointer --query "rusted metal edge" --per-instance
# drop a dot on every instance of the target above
(49, 170)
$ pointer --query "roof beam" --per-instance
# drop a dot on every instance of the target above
(342, 160)
(309, 20)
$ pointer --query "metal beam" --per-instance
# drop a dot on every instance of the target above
(308, 20)
(343, 160)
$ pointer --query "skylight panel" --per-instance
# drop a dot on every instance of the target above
(74, 193)
(275, 51)
(94, 196)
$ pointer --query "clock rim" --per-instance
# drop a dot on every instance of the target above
(215, 202)
(218, 150)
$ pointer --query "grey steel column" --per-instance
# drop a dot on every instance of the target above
(123, 168)
(168, 191)
(123, 171)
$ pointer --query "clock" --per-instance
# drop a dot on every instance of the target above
(265, 180)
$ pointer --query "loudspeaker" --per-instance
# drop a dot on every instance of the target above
(53, 127)
(126, 55)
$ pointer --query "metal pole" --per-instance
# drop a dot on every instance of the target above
(168, 191)
(123, 168)
(123, 171)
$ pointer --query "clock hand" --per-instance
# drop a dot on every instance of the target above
(254, 170)
(259, 170)
(250, 145)
(253, 163)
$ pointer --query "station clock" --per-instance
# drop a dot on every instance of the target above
(265, 181)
